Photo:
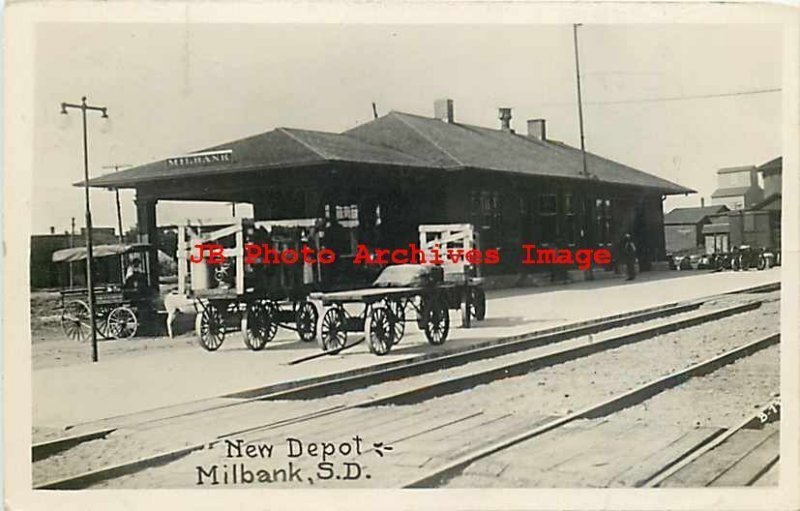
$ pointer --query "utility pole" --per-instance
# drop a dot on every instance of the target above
(71, 245)
(120, 238)
(374, 110)
(84, 107)
(116, 168)
(587, 201)
(580, 100)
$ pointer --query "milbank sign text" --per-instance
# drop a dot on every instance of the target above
(205, 158)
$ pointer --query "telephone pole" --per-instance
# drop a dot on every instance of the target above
(71, 245)
(116, 168)
(588, 210)
(84, 107)
(580, 99)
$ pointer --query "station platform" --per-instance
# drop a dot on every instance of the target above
(147, 373)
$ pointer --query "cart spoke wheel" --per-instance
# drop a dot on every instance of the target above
(380, 331)
(332, 331)
(259, 325)
(397, 309)
(306, 318)
(210, 328)
(121, 323)
(75, 320)
(477, 303)
(421, 310)
(437, 322)
(466, 310)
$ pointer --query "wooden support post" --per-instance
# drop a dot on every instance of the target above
(148, 232)
(240, 259)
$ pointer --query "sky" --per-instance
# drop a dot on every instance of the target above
(656, 97)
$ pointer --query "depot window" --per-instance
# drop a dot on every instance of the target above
(603, 216)
(548, 217)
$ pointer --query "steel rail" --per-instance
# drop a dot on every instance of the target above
(633, 397)
(699, 451)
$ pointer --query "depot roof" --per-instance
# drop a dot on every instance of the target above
(396, 139)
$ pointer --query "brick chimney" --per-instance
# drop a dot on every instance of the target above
(702, 202)
(504, 114)
(537, 129)
(52, 230)
(443, 110)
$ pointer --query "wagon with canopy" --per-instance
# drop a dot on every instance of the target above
(122, 304)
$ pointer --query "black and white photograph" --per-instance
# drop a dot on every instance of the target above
(408, 255)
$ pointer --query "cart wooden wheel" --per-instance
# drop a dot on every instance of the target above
(121, 323)
(423, 306)
(210, 328)
(258, 325)
(437, 321)
(762, 263)
(477, 299)
(75, 320)
(306, 318)
(380, 330)
(397, 308)
(332, 330)
(466, 309)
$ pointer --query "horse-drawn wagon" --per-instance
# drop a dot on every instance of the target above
(256, 298)
(121, 305)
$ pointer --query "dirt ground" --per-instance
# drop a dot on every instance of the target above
(51, 348)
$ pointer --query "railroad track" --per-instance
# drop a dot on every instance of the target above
(503, 368)
(743, 455)
(552, 431)
(323, 386)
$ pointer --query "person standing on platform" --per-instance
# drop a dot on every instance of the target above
(629, 256)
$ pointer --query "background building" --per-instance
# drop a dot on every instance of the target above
(683, 228)
(758, 224)
(737, 188)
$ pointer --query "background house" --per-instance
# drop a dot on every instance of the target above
(683, 228)
(45, 273)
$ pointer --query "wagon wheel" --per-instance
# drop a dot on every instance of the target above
(380, 331)
(75, 320)
(477, 303)
(398, 311)
(423, 305)
(332, 330)
(259, 325)
(101, 314)
(437, 321)
(762, 262)
(306, 318)
(466, 309)
(209, 327)
(121, 323)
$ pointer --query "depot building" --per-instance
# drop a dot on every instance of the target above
(376, 183)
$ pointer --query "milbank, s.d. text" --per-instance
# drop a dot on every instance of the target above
(298, 461)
